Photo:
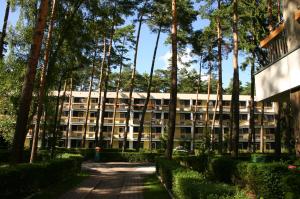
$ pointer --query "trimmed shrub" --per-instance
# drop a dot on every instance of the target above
(197, 163)
(190, 184)
(23, 179)
(127, 157)
(186, 184)
(222, 168)
(264, 179)
(165, 169)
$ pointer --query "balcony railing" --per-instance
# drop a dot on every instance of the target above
(275, 44)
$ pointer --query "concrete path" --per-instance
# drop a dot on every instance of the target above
(112, 180)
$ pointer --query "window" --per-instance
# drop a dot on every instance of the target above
(242, 103)
(166, 101)
(123, 101)
(94, 100)
(185, 129)
(184, 102)
(166, 116)
(226, 103)
(243, 116)
(185, 116)
(110, 100)
(121, 129)
(92, 129)
(93, 114)
(136, 129)
(156, 129)
(139, 101)
(157, 116)
(108, 114)
(123, 115)
(78, 99)
(107, 128)
(157, 102)
(136, 115)
(77, 127)
(78, 113)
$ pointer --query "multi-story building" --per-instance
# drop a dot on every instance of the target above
(278, 80)
(156, 119)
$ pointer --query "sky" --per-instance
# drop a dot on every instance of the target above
(146, 46)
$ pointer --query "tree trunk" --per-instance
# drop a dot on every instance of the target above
(262, 135)
(207, 136)
(236, 83)
(252, 136)
(88, 102)
(295, 107)
(196, 110)
(141, 127)
(100, 93)
(69, 128)
(57, 115)
(43, 135)
(132, 82)
(220, 82)
(289, 139)
(116, 99)
(173, 86)
(26, 94)
(3, 33)
(214, 120)
(278, 130)
(105, 80)
(41, 94)
(278, 11)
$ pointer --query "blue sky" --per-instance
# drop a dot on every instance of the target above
(146, 46)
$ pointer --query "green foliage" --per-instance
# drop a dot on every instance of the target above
(264, 179)
(166, 169)
(190, 184)
(222, 168)
(127, 157)
(197, 163)
(23, 179)
(291, 186)
(186, 184)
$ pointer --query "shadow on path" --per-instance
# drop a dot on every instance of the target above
(112, 180)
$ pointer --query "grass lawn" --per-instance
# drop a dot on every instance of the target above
(59, 188)
(154, 189)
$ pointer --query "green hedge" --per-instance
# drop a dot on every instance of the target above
(197, 163)
(23, 179)
(166, 169)
(127, 157)
(222, 168)
(267, 180)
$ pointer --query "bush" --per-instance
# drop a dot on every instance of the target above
(222, 168)
(186, 184)
(127, 157)
(197, 163)
(190, 184)
(291, 186)
(165, 169)
(23, 179)
(264, 179)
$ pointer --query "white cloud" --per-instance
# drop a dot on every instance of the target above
(184, 59)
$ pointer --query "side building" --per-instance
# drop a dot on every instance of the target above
(156, 120)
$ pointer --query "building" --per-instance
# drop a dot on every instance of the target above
(279, 80)
(156, 119)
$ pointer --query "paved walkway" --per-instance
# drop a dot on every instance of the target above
(112, 180)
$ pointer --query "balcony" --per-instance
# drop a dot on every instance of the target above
(281, 71)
